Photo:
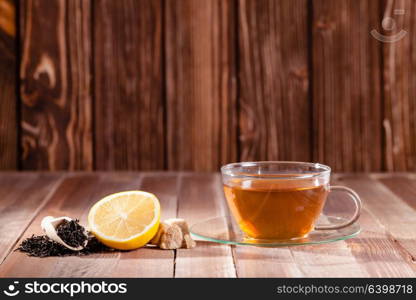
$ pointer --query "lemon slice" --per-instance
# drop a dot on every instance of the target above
(125, 220)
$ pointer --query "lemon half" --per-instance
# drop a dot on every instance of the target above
(125, 220)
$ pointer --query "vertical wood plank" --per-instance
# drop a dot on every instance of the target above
(129, 130)
(200, 198)
(346, 91)
(8, 99)
(55, 85)
(200, 72)
(400, 86)
(273, 57)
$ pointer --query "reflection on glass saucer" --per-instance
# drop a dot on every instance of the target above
(224, 230)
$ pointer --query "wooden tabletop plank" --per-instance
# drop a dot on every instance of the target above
(73, 198)
(265, 262)
(200, 199)
(327, 260)
(165, 187)
(145, 262)
(372, 253)
(374, 248)
(386, 237)
(385, 248)
(77, 206)
(21, 197)
(404, 186)
(18, 264)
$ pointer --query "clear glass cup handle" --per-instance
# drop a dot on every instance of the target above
(354, 196)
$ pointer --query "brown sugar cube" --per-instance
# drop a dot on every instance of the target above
(173, 234)
(187, 242)
(168, 236)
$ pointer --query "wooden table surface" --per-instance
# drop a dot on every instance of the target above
(385, 248)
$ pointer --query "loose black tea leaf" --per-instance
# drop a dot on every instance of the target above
(95, 246)
(72, 233)
(42, 246)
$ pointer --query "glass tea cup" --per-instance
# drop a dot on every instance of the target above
(278, 200)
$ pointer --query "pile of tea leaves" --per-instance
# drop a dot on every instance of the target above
(72, 233)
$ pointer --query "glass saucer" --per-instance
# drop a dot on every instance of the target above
(224, 230)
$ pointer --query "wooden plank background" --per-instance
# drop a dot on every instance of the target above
(273, 95)
(8, 83)
(55, 85)
(346, 93)
(193, 84)
(128, 87)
